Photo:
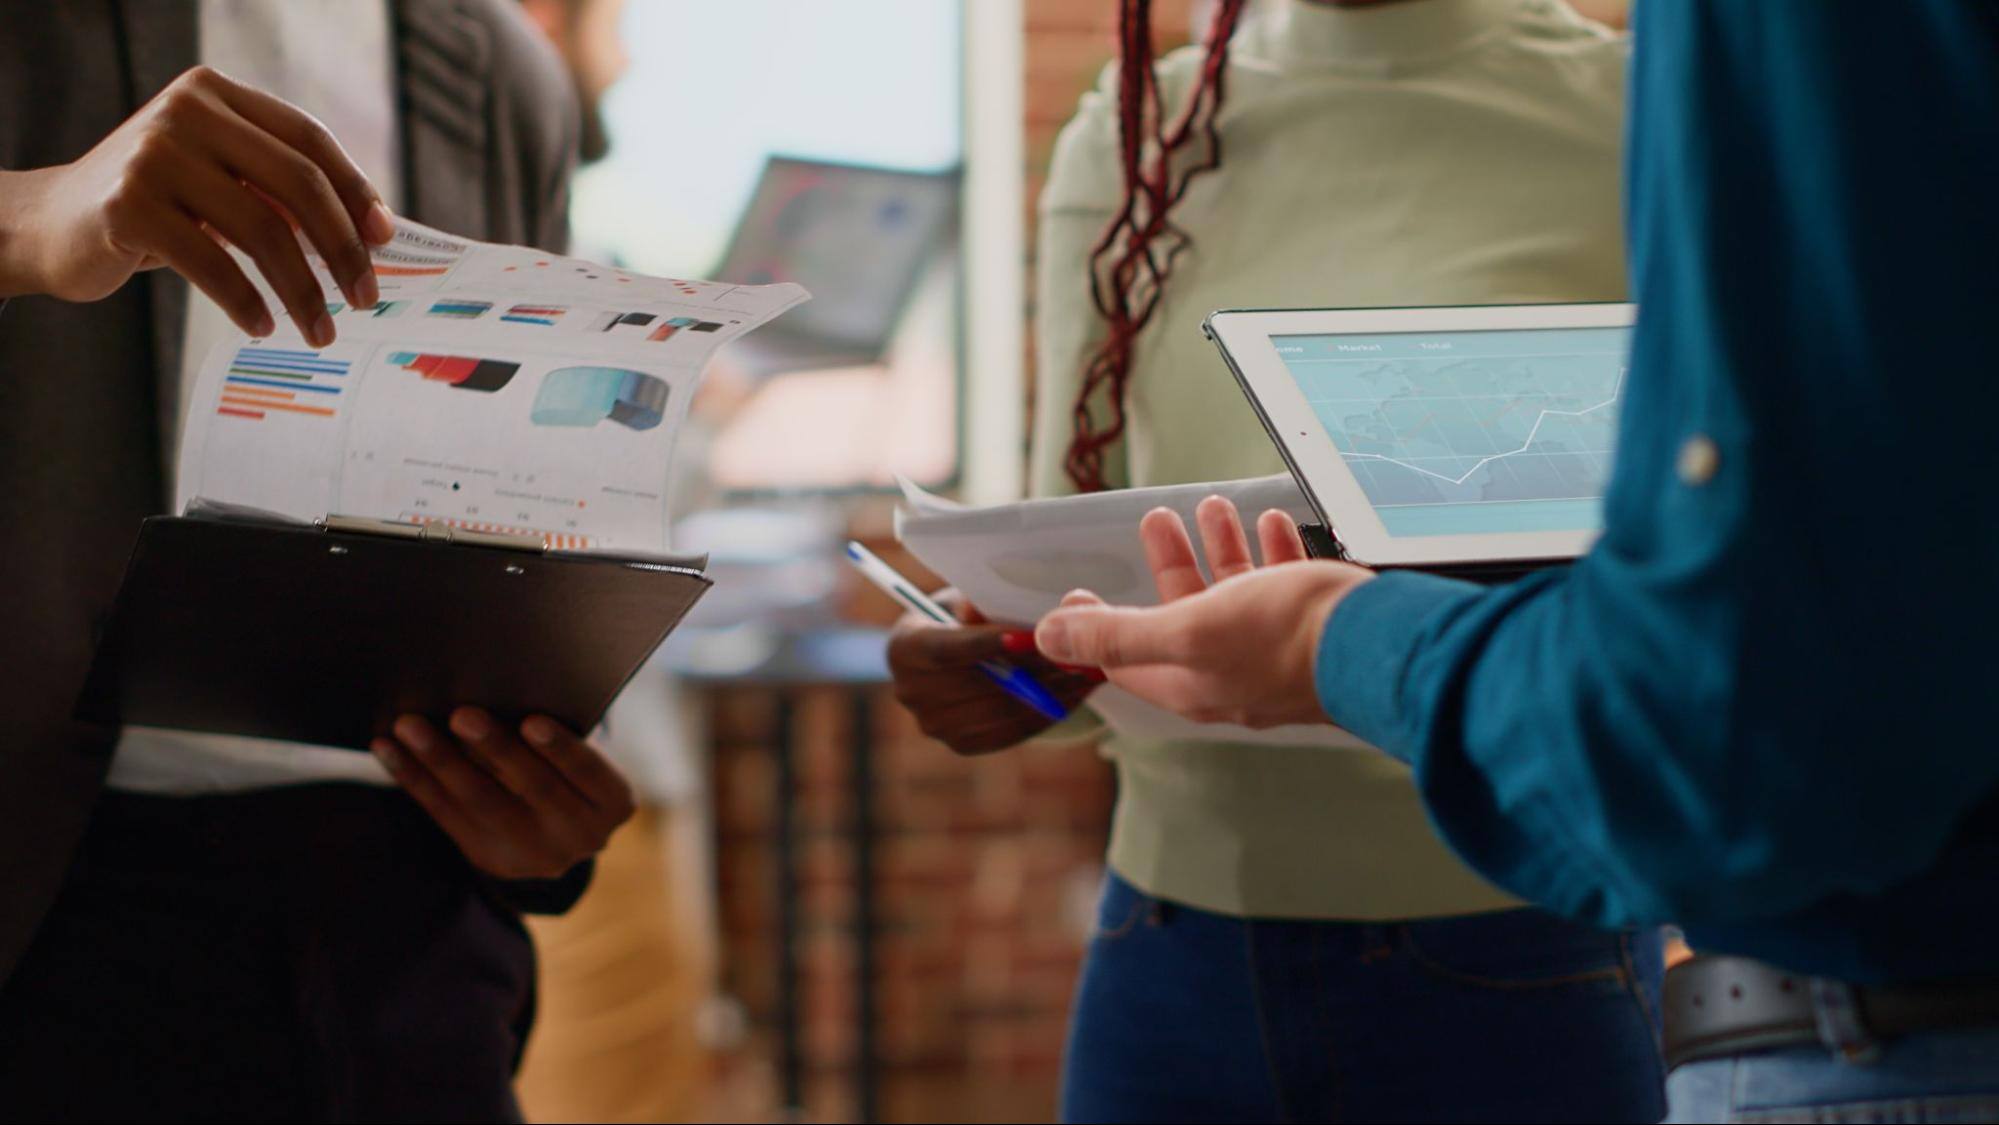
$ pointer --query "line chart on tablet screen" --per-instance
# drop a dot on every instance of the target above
(1486, 424)
(1470, 419)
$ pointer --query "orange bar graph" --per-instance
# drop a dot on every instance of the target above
(263, 404)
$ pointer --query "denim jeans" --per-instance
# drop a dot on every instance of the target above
(1932, 1076)
(1184, 1015)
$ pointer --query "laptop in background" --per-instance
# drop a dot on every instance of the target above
(859, 237)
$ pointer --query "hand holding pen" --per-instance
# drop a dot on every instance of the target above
(975, 686)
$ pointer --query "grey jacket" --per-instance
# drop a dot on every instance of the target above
(87, 392)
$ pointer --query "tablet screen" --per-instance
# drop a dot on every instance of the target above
(1470, 432)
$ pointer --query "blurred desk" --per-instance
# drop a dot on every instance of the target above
(792, 662)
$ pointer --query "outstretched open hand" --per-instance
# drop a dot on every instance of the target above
(1240, 650)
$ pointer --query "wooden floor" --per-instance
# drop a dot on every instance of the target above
(627, 982)
(624, 978)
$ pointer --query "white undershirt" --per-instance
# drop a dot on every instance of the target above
(333, 59)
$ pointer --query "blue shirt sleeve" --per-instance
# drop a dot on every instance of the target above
(1770, 682)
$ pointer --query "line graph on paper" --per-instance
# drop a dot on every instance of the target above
(1470, 429)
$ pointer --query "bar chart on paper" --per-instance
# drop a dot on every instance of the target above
(459, 309)
(1467, 432)
(494, 388)
(264, 381)
(544, 316)
(466, 373)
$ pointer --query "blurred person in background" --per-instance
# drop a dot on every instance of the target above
(585, 34)
(1282, 936)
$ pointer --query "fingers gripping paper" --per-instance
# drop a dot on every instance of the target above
(493, 388)
(1015, 561)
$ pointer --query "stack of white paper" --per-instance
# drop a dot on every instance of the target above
(1015, 561)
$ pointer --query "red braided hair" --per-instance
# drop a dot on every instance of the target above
(1135, 256)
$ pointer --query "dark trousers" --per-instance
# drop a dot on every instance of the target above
(314, 953)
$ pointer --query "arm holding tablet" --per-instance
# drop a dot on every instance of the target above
(1665, 729)
(1567, 752)
(1738, 710)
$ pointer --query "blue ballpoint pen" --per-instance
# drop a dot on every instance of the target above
(1016, 682)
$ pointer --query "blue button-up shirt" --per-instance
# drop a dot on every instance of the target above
(1764, 705)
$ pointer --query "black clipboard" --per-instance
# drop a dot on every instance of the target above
(319, 635)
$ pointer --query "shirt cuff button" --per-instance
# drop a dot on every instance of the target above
(1698, 460)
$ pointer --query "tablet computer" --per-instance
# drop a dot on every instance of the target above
(1469, 440)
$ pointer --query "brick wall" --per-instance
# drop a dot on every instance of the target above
(985, 869)
(988, 867)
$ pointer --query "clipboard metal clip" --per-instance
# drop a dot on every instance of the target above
(437, 532)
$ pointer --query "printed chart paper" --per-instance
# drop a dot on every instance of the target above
(493, 388)
(1015, 561)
